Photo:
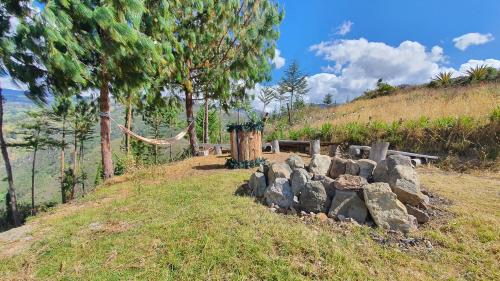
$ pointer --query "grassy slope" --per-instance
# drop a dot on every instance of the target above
(476, 101)
(183, 222)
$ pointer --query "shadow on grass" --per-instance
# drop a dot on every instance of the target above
(210, 167)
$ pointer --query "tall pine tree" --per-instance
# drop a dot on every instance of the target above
(99, 45)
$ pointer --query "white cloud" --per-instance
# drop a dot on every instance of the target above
(278, 60)
(344, 28)
(470, 39)
(360, 63)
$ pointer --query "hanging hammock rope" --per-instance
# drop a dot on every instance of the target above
(165, 142)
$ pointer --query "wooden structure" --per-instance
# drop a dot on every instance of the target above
(357, 151)
(246, 145)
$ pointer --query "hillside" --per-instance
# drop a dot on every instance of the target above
(460, 124)
(183, 222)
(476, 101)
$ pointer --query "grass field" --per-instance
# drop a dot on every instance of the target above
(476, 101)
(183, 222)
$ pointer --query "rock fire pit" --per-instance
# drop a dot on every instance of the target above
(387, 194)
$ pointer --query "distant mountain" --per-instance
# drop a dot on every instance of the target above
(15, 96)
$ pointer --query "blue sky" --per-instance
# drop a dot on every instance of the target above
(386, 24)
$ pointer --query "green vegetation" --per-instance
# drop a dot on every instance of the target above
(162, 224)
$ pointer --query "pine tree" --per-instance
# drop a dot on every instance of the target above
(219, 42)
(328, 99)
(266, 96)
(20, 63)
(37, 134)
(293, 84)
(98, 44)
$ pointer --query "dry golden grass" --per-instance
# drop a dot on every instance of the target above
(476, 101)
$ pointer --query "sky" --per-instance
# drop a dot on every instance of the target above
(345, 46)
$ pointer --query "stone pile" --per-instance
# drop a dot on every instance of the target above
(387, 193)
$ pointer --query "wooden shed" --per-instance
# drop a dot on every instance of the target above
(246, 144)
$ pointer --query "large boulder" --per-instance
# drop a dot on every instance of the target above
(397, 159)
(295, 162)
(278, 170)
(337, 167)
(349, 182)
(320, 164)
(349, 205)
(279, 193)
(386, 210)
(298, 180)
(381, 173)
(351, 167)
(313, 198)
(327, 184)
(366, 167)
(258, 184)
(404, 182)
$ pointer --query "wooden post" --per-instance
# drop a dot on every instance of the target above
(315, 147)
(218, 149)
(378, 151)
(276, 146)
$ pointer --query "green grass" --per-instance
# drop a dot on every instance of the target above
(166, 225)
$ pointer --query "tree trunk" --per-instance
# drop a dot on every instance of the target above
(107, 162)
(205, 122)
(128, 123)
(8, 168)
(220, 124)
(63, 145)
(81, 165)
(75, 166)
(193, 142)
(33, 183)
(289, 114)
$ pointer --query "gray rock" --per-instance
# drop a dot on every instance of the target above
(386, 210)
(314, 198)
(327, 183)
(258, 184)
(397, 159)
(348, 205)
(298, 180)
(420, 215)
(320, 164)
(295, 162)
(349, 182)
(381, 173)
(366, 167)
(279, 193)
(337, 167)
(278, 170)
(404, 182)
(351, 167)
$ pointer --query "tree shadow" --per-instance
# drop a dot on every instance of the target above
(210, 167)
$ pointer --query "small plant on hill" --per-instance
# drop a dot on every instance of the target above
(443, 79)
(478, 73)
(383, 89)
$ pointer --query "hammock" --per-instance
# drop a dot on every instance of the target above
(169, 141)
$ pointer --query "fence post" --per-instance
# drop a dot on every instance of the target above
(275, 146)
(315, 147)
